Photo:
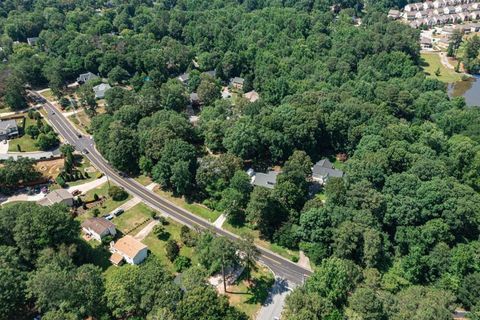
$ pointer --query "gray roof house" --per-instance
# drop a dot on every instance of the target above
(8, 129)
(323, 170)
(211, 73)
(266, 180)
(237, 82)
(57, 196)
(100, 90)
(98, 228)
(184, 77)
(32, 41)
(84, 77)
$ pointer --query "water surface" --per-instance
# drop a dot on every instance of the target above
(469, 89)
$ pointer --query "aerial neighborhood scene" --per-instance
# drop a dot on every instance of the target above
(239, 160)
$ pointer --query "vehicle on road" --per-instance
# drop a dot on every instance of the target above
(84, 151)
(79, 135)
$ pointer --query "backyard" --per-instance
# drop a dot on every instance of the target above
(24, 143)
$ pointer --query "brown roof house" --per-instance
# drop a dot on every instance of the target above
(57, 196)
(128, 249)
(98, 228)
(252, 96)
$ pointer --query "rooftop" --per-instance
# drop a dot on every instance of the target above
(324, 168)
(97, 225)
(266, 180)
(56, 196)
(129, 246)
(8, 125)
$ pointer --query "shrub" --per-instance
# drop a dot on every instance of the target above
(182, 263)
(117, 193)
(160, 232)
(172, 250)
(96, 212)
(95, 197)
(187, 237)
(61, 182)
(163, 221)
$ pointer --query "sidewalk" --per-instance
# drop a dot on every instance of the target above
(220, 221)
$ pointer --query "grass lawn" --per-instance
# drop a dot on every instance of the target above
(26, 143)
(81, 120)
(143, 180)
(132, 218)
(108, 206)
(157, 246)
(48, 94)
(83, 163)
(244, 230)
(249, 296)
(433, 63)
(194, 208)
(99, 254)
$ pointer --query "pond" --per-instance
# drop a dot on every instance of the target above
(469, 89)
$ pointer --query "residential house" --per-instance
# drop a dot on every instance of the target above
(266, 180)
(184, 77)
(100, 90)
(426, 43)
(226, 94)
(420, 14)
(194, 99)
(440, 3)
(128, 249)
(324, 170)
(61, 196)
(448, 10)
(98, 228)
(252, 96)
(32, 41)
(427, 5)
(85, 77)
(211, 73)
(8, 129)
(394, 14)
(410, 16)
(411, 7)
(237, 83)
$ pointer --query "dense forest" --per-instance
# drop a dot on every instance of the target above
(397, 237)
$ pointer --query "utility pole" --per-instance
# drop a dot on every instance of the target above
(223, 273)
(108, 181)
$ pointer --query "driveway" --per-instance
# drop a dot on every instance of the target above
(272, 307)
(142, 234)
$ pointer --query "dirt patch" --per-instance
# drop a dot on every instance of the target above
(90, 169)
(50, 168)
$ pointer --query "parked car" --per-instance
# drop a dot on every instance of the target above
(76, 192)
(109, 217)
(118, 212)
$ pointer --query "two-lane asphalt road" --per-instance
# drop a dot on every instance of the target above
(282, 267)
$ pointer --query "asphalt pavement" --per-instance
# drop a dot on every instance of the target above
(283, 268)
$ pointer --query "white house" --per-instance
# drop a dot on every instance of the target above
(98, 228)
(128, 249)
(57, 196)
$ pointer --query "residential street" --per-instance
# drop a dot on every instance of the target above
(282, 267)
(272, 308)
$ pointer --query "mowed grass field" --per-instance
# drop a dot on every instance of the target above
(432, 63)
